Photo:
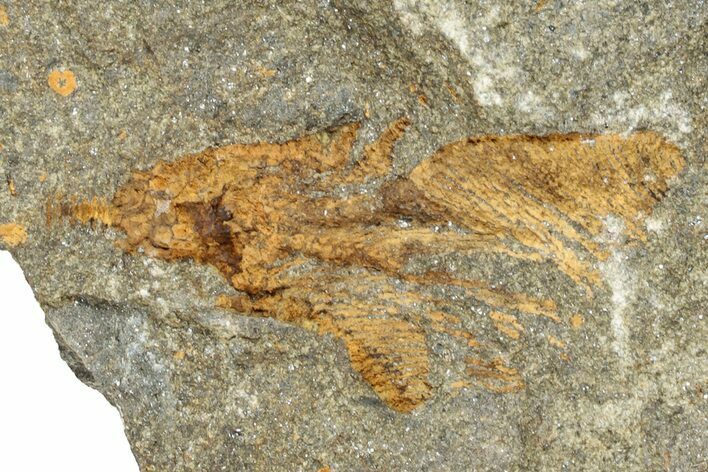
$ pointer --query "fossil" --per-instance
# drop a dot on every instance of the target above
(286, 224)
(13, 234)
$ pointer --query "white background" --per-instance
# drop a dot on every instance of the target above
(49, 420)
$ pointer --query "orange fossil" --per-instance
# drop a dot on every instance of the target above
(13, 234)
(295, 231)
(62, 82)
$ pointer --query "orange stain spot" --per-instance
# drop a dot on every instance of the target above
(460, 384)
(12, 234)
(539, 5)
(265, 72)
(441, 317)
(224, 301)
(576, 321)
(495, 375)
(507, 324)
(451, 90)
(554, 341)
(457, 386)
(62, 82)
(4, 19)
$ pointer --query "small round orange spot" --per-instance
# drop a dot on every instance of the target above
(62, 82)
(555, 342)
(179, 355)
(576, 321)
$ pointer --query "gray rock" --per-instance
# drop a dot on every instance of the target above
(203, 388)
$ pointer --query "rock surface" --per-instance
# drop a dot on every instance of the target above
(91, 94)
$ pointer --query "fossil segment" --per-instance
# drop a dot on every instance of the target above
(551, 192)
(286, 224)
(12, 234)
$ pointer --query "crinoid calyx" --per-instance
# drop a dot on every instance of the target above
(284, 224)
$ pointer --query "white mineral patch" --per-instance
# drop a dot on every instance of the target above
(484, 90)
(453, 25)
(617, 414)
(408, 15)
(654, 224)
(580, 52)
(622, 281)
(531, 103)
(161, 207)
(630, 115)
(623, 286)
(155, 270)
(491, 65)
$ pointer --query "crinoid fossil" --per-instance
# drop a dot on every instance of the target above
(286, 225)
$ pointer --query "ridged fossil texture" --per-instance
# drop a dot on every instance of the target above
(285, 224)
